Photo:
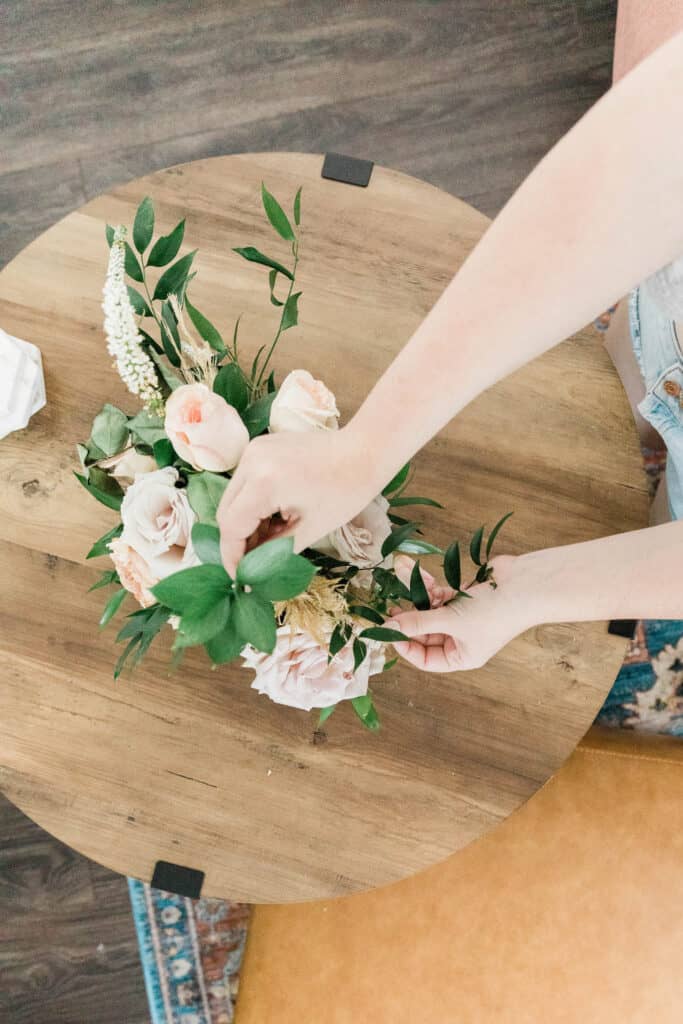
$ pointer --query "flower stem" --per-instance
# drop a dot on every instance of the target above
(279, 330)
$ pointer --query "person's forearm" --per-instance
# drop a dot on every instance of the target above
(628, 576)
(603, 210)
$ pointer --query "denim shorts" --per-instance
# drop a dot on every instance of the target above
(659, 353)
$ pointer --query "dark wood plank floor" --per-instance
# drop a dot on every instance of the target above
(465, 94)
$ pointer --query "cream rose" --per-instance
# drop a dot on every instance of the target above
(125, 466)
(359, 542)
(157, 523)
(297, 673)
(303, 403)
(134, 572)
(204, 430)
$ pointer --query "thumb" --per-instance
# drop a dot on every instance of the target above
(414, 623)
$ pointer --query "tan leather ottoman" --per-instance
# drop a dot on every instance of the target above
(571, 911)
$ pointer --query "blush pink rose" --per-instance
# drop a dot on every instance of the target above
(204, 430)
(134, 572)
(438, 593)
(297, 673)
(359, 542)
(157, 522)
(302, 404)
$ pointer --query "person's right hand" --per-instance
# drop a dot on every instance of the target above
(313, 482)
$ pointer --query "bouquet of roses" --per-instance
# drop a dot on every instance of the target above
(312, 626)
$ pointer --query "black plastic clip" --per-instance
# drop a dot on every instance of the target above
(623, 627)
(347, 169)
(179, 880)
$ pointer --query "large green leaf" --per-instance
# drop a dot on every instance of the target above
(255, 256)
(193, 591)
(166, 248)
(206, 541)
(254, 621)
(143, 227)
(231, 384)
(257, 416)
(204, 492)
(110, 430)
(226, 645)
(199, 628)
(204, 327)
(274, 571)
(171, 280)
(276, 215)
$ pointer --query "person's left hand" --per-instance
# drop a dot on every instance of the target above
(465, 635)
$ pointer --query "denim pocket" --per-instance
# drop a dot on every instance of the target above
(669, 390)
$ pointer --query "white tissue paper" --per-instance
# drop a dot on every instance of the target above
(22, 385)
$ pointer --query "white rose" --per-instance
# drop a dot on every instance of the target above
(359, 542)
(128, 464)
(298, 674)
(157, 522)
(303, 403)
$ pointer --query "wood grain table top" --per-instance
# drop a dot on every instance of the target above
(192, 766)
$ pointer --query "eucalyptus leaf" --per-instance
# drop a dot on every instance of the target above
(231, 384)
(206, 541)
(143, 226)
(205, 328)
(204, 492)
(166, 248)
(172, 279)
(248, 252)
(254, 621)
(110, 430)
(276, 215)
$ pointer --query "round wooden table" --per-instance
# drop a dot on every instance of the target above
(193, 767)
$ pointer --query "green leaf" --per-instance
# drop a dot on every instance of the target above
(389, 664)
(290, 314)
(271, 386)
(201, 627)
(475, 546)
(325, 714)
(413, 546)
(172, 279)
(274, 571)
(397, 502)
(257, 416)
(297, 207)
(254, 620)
(204, 492)
(341, 635)
(169, 318)
(106, 579)
(360, 651)
(101, 546)
(110, 430)
(137, 302)
(231, 384)
(271, 281)
(194, 590)
(166, 248)
(164, 452)
(387, 636)
(371, 719)
(170, 348)
(225, 646)
(452, 567)
(254, 256)
(366, 613)
(494, 533)
(110, 500)
(206, 541)
(153, 346)
(397, 537)
(131, 265)
(418, 590)
(398, 481)
(143, 226)
(144, 622)
(112, 606)
(109, 235)
(205, 328)
(148, 429)
(168, 377)
(276, 215)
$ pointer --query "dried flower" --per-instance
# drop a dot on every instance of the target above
(124, 341)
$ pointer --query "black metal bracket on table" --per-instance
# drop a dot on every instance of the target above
(176, 879)
(623, 627)
(347, 169)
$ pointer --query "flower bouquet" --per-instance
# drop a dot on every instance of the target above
(313, 626)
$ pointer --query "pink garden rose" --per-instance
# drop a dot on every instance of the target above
(204, 430)
(303, 403)
(359, 542)
(157, 525)
(438, 593)
(297, 673)
(134, 572)
(125, 466)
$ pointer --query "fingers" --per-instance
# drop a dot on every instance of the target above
(414, 623)
(430, 648)
(239, 521)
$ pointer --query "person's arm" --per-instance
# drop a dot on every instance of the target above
(601, 211)
(628, 576)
